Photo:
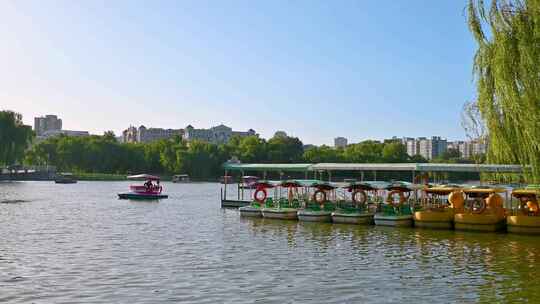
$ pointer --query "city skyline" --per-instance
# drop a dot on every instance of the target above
(428, 147)
(291, 66)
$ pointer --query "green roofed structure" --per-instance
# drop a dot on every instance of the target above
(267, 167)
(414, 168)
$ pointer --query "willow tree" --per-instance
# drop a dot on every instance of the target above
(507, 74)
(14, 137)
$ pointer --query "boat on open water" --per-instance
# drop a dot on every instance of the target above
(65, 178)
(148, 191)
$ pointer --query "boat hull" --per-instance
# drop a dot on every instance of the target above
(314, 216)
(280, 213)
(352, 218)
(523, 224)
(65, 181)
(479, 222)
(393, 220)
(141, 196)
(250, 211)
(434, 219)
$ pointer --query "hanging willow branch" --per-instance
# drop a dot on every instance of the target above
(507, 70)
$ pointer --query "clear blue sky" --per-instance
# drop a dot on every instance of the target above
(316, 69)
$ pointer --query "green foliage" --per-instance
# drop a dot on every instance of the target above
(14, 137)
(507, 69)
(285, 149)
(103, 154)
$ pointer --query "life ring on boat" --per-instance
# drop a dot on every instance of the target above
(481, 208)
(259, 199)
(390, 197)
(363, 196)
(319, 198)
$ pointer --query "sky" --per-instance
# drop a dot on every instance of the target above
(368, 69)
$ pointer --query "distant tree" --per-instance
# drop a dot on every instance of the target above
(323, 154)
(394, 152)
(285, 149)
(369, 151)
(418, 159)
(14, 137)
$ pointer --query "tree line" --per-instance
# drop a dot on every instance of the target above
(103, 154)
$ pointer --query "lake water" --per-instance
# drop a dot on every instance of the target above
(79, 244)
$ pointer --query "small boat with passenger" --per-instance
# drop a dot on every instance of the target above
(483, 210)
(524, 217)
(147, 191)
(358, 210)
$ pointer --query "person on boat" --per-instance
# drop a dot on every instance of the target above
(148, 185)
(157, 185)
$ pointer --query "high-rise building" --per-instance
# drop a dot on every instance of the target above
(47, 123)
(467, 149)
(340, 142)
(429, 148)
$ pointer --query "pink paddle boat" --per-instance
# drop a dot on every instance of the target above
(148, 190)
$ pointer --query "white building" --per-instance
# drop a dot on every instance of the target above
(53, 133)
(47, 123)
(218, 135)
(468, 149)
(340, 142)
(429, 148)
(143, 134)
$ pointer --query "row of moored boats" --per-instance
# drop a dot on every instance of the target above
(474, 208)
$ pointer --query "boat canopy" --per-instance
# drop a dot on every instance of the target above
(518, 193)
(402, 186)
(144, 176)
(366, 186)
(264, 184)
(442, 190)
(483, 190)
(323, 186)
(291, 184)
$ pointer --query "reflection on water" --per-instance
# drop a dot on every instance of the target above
(78, 243)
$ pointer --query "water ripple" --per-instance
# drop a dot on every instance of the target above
(79, 244)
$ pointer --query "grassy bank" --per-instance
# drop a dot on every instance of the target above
(100, 177)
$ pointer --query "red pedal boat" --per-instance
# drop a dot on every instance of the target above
(147, 191)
